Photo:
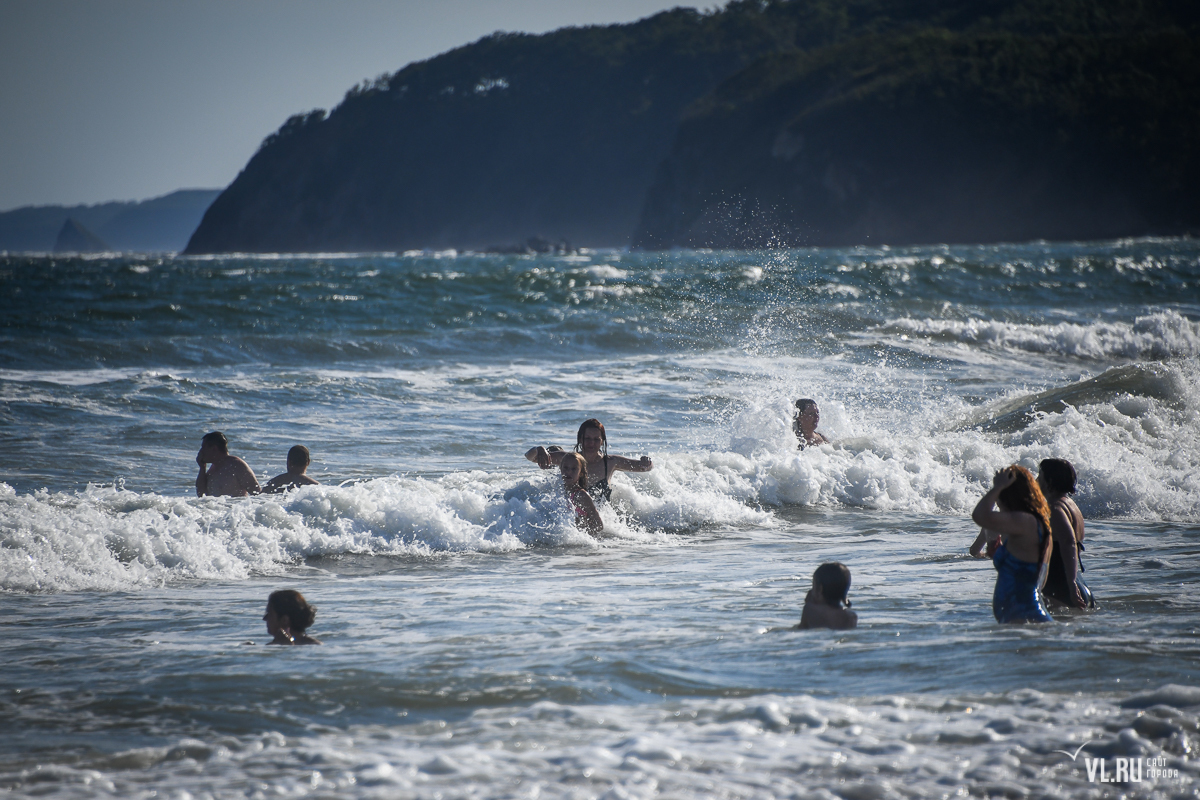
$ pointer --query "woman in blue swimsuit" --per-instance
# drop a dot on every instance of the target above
(1022, 522)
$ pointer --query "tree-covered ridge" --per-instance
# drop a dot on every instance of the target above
(938, 135)
(563, 135)
(512, 136)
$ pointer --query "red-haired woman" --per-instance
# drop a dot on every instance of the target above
(1023, 521)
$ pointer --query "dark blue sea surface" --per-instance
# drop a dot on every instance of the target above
(477, 644)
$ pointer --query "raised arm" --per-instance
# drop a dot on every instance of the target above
(202, 478)
(1019, 528)
(995, 522)
(643, 464)
(546, 459)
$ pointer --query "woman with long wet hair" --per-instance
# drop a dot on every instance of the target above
(1015, 511)
(591, 442)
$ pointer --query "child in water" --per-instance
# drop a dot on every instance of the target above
(288, 616)
(826, 605)
(575, 482)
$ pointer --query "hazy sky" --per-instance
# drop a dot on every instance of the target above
(131, 99)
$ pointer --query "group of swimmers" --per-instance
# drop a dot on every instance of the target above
(225, 475)
(1034, 533)
(1021, 520)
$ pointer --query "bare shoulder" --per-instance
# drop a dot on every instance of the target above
(239, 464)
(819, 615)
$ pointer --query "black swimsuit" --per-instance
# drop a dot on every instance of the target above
(1056, 578)
(600, 488)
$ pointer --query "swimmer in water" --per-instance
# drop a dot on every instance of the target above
(826, 605)
(575, 482)
(288, 616)
(1016, 510)
(592, 443)
(228, 476)
(804, 424)
(298, 460)
(1064, 577)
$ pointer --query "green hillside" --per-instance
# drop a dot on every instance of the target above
(775, 121)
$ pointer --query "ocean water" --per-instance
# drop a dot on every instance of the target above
(476, 644)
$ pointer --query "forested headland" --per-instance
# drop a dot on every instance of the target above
(776, 122)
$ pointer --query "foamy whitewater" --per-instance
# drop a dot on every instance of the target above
(476, 643)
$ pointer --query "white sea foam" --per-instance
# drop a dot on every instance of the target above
(1135, 456)
(606, 272)
(1162, 335)
(1135, 453)
(107, 538)
(884, 748)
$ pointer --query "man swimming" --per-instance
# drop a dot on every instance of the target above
(228, 476)
(298, 460)
(808, 416)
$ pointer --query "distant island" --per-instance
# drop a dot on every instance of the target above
(159, 225)
(764, 123)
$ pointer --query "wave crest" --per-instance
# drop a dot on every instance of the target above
(1159, 336)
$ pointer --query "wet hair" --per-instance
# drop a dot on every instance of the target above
(291, 604)
(298, 456)
(592, 423)
(803, 403)
(582, 483)
(217, 439)
(1024, 494)
(834, 579)
(1059, 474)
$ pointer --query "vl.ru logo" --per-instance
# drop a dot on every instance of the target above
(1126, 770)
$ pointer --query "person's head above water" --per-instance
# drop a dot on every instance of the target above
(808, 416)
(1057, 474)
(574, 471)
(288, 616)
(591, 437)
(1023, 494)
(298, 459)
(217, 441)
(833, 579)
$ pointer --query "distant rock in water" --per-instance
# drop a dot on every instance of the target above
(74, 238)
(533, 246)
